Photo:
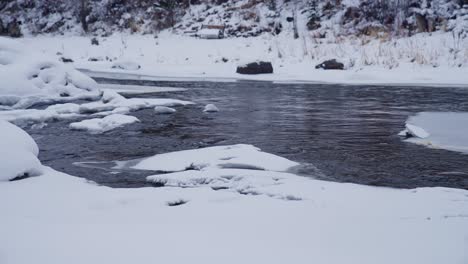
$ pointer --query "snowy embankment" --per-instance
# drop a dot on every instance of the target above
(30, 77)
(243, 205)
(439, 130)
(435, 59)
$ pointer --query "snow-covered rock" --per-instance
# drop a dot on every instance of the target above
(164, 110)
(18, 153)
(101, 125)
(210, 108)
(28, 77)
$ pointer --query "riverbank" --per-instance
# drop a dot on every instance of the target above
(437, 59)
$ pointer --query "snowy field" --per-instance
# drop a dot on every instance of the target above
(437, 59)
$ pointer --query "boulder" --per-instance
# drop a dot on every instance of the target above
(13, 29)
(259, 67)
(66, 60)
(94, 41)
(330, 65)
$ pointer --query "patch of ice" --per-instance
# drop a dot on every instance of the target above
(415, 131)
(440, 130)
(210, 108)
(138, 89)
(164, 110)
(101, 125)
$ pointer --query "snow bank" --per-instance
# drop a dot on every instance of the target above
(101, 125)
(444, 130)
(18, 153)
(111, 103)
(436, 58)
(57, 218)
(28, 77)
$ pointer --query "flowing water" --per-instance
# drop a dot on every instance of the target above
(348, 133)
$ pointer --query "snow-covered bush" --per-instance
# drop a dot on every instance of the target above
(28, 77)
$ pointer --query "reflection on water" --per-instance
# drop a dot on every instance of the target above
(348, 133)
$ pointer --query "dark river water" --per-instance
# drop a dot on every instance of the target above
(348, 133)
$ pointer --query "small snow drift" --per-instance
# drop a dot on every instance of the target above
(101, 125)
(29, 77)
(210, 108)
(163, 110)
(330, 65)
(18, 153)
(439, 130)
(126, 65)
(259, 67)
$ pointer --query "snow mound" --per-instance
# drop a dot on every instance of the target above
(18, 153)
(439, 130)
(236, 157)
(28, 77)
(164, 110)
(211, 108)
(101, 125)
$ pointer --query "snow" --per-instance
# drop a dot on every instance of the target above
(421, 59)
(18, 153)
(110, 103)
(416, 131)
(281, 217)
(164, 110)
(220, 157)
(447, 130)
(29, 77)
(101, 125)
(210, 108)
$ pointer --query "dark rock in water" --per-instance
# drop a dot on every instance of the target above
(94, 41)
(66, 60)
(13, 29)
(330, 65)
(259, 67)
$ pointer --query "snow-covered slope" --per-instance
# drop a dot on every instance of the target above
(29, 76)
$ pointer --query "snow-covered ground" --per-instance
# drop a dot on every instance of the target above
(276, 216)
(440, 130)
(432, 59)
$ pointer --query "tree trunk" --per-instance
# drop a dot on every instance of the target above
(84, 14)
